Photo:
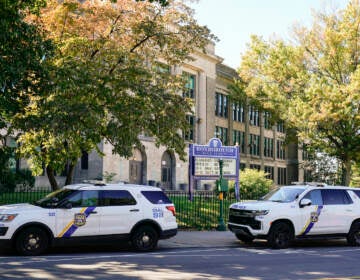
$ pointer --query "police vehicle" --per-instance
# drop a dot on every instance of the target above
(299, 212)
(89, 213)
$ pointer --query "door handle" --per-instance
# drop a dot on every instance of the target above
(134, 210)
(93, 212)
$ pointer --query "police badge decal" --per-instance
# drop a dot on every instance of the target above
(79, 219)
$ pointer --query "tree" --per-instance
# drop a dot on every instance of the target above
(313, 82)
(111, 80)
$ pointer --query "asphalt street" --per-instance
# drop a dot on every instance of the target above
(191, 255)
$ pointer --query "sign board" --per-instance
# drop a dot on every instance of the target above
(210, 167)
(204, 163)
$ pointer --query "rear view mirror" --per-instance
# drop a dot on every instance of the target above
(305, 202)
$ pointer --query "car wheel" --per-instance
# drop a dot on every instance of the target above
(353, 237)
(244, 238)
(145, 238)
(32, 241)
(281, 235)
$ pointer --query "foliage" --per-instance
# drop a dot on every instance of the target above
(355, 180)
(313, 83)
(111, 79)
(23, 50)
(109, 177)
(253, 184)
(10, 179)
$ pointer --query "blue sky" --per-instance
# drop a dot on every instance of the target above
(233, 21)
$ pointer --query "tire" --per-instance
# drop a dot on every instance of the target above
(281, 235)
(32, 241)
(244, 238)
(145, 238)
(353, 237)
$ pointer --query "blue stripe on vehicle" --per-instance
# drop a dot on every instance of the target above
(309, 225)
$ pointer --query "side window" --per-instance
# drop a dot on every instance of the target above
(156, 197)
(116, 198)
(84, 199)
(335, 197)
(315, 197)
(357, 193)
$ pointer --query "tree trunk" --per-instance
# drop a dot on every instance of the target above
(70, 174)
(51, 176)
(346, 173)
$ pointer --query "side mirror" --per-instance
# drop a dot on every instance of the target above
(305, 202)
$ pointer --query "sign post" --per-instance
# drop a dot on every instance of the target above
(214, 162)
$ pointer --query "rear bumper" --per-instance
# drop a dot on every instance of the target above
(168, 233)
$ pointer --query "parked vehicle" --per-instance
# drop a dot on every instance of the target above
(299, 212)
(89, 213)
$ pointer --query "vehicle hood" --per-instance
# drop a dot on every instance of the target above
(16, 208)
(257, 205)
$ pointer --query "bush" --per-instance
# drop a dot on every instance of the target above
(253, 184)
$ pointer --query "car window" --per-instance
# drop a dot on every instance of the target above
(357, 193)
(116, 198)
(84, 198)
(335, 197)
(156, 197)
(315, 197)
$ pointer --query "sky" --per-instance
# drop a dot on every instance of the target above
(233, 21)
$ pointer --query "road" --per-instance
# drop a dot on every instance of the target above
(306, 260)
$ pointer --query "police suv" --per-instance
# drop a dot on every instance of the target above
(91, 213)
(299, 211)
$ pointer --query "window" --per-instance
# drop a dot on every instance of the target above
(254, 116)
(238, 112)
(280, 127)
(268, 147)
(335, 197)
(315, 197)
(255, 166)
(280, 149)
(84, 199)
(254, 144)
(222, 133)
(85, 161)
(270, 172)
(156, 197)
(189, 86)
(239, 139)
(189, 134)
(281, 180)
(221, 105)
(267, 120)
(116, 198)
(242, 166)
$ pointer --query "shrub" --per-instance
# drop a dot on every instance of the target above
(253, 184)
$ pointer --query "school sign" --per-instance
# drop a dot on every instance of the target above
(204, 163)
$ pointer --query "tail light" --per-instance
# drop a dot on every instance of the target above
(172, 209)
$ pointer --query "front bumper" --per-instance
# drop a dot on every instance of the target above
(5, 243)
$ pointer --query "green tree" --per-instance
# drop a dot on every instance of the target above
(111, 80)
(313, 83)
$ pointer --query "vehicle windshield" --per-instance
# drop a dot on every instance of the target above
(284, 194)
(53, 199)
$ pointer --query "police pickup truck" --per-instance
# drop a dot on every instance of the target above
(89, 213)
(298, 212)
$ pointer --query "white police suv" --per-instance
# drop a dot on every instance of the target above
(90, 213)
(299, 211)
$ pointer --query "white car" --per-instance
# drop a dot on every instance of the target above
(299, 212)
(89, 213)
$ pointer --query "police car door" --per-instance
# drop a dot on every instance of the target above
(310, 216)
(120, 212)
(337, 213)
(82, 218)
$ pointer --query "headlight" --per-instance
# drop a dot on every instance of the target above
(7, 217)
(260, 212)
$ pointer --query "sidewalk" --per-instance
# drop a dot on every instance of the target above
(200, 239)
